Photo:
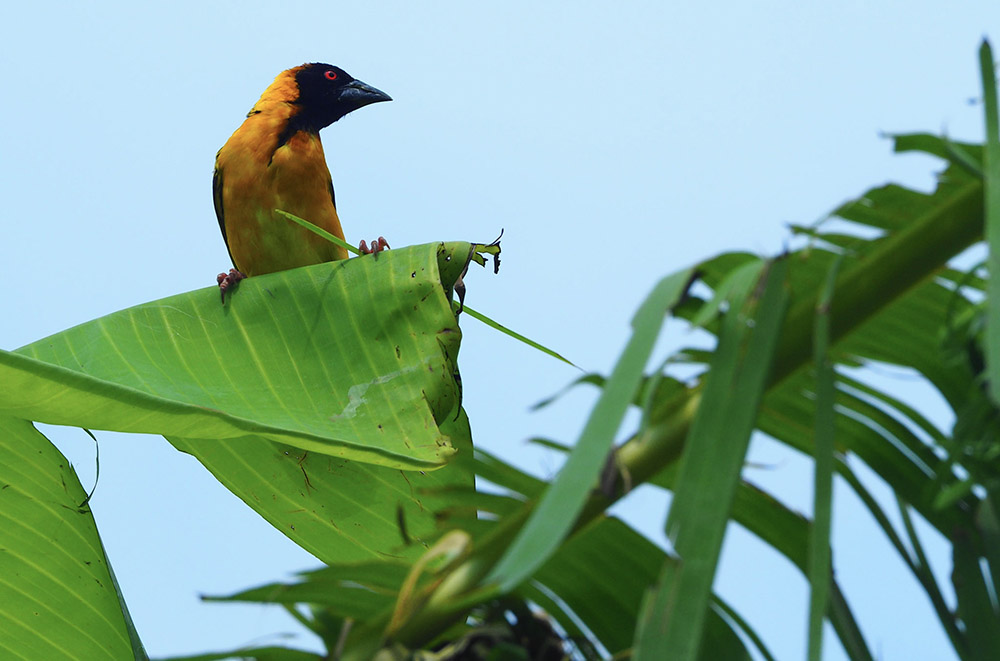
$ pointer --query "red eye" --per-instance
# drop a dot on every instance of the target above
(331, 75)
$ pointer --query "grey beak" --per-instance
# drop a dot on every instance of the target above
(358, 94)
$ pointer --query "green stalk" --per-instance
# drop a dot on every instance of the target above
(895, 266)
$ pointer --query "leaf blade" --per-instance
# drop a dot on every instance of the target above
(710, 469)
(563, 500)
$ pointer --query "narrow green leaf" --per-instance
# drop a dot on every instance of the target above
(359, 591)
(253, 654)
(991, 184)
(319, 231)
(555, 514)
(819, 547)
(719, 639)
(504, 475)
(965, 155)
(479, 316)
(492, 249)
(557, 610)
(710, 467)
(592, 378)
(989, 528)
(730, 614)
(911, 414)
(739, 279)
(922, 570)
(958, 155)
(975, 608)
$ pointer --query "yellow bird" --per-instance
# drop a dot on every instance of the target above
(275, 160)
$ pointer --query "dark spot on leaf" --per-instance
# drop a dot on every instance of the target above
(398, 355)
(401, 523)
(413, 275)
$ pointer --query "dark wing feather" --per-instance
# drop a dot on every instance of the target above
(219, 211)
(217, 198)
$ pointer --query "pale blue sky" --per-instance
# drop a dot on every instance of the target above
(614, 142)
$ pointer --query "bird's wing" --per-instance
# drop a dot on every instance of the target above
(217, 197)
(219, 211)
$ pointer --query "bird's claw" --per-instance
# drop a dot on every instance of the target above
(378, 245)
(227, 281)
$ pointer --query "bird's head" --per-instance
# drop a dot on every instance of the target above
(326, 93)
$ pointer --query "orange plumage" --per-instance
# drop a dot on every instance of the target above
(275, 160)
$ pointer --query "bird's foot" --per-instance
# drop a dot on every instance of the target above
(378, 245)
(227, 281)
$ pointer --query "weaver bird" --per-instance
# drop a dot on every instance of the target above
(274, 161)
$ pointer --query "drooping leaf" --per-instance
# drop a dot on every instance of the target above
(58, 599)
(338, 510)
(285, 353)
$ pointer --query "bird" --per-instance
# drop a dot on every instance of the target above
(275, 160)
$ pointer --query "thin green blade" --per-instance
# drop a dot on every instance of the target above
(710, 468)
(553, 518)
(991, 193)
(819, 547)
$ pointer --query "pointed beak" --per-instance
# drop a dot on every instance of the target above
(356, 94)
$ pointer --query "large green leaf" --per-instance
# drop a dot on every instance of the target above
(337, 509)
(58, 599)
(245, 387)
(354, 359)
